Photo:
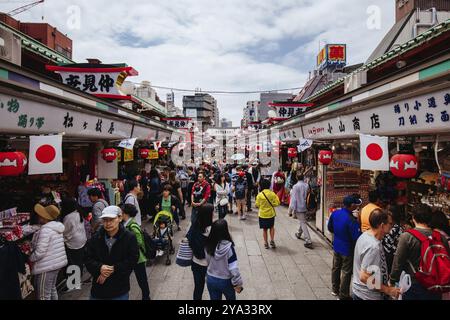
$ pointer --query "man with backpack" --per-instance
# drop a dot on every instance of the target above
(129, 211)
(408, 257)
(298, 205)
(98, 206)
(132, 198)
(183, 177)
(240, 193)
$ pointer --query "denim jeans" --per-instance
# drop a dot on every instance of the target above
(223, 210)
(125, 296)
(217, 287)
(199, 273)
(141, 276)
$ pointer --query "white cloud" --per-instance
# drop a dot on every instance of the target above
(205, 43)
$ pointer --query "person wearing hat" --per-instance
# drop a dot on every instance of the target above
(256, 174)
(48, 252)
(111, 255)
(346, 231)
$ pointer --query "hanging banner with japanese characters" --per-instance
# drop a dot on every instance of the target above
(127, 143)
(102, 81)
(288, 109)
(153, 154)
(19, 115)
(419, 115)
(128, 155)
(179, 123)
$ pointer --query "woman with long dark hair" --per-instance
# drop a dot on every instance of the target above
(223, 273)
(222, 189)
(197, 235)
(74, 231)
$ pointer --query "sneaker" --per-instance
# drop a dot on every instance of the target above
(244, 217)
(294, 216)
(299, 236)
(272, 244)
(309, 245)
(178, 229)
(159, 253)
(334, 294)
(290, 214)
(266, 245)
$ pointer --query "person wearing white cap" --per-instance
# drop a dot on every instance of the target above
(111, 255)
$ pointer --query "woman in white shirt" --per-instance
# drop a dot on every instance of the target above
(74, 232)
(222, 189)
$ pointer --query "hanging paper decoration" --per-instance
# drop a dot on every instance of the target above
(109, 155)
(404, 165)
(292, 152)
(12, 163)
(325, 157)
(143, 153)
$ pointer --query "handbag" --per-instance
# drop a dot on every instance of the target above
(223, 202)
(269, 202)
(184, 255)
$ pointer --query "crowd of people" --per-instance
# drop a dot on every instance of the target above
(372, 246)
(381, 253)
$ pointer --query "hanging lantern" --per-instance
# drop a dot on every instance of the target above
(292, 152)
(143, 153)
(12, 163)
(109, 155)
(162, 151)
(404, 165)
(325, 157)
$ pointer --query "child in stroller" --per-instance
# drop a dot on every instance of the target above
(163, 234)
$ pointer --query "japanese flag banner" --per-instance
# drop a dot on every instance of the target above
(45, 155)
(374, 153)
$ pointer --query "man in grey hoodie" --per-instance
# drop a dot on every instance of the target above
(223, 276)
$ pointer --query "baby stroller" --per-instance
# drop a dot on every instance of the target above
(163, 235)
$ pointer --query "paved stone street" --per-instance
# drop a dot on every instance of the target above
(288, 272)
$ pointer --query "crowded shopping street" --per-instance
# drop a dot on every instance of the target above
(186, 151)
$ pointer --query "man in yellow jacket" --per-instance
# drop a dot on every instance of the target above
(266, 201)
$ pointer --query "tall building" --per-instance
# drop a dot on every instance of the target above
(266, 98)
(224, 123)
(42, 32)
(172, 110)
(216, 116)
(202, 107)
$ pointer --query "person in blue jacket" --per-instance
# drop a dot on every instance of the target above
(346, 230)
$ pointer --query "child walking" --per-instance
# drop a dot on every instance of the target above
(266, 201)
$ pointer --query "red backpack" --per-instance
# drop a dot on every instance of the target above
(434, 266)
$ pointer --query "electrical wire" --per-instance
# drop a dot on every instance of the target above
(217, 91)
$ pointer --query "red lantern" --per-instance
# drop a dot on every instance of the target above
(109, 155)
(12, 163)
(144, 153)
(292, 152)
(404, 165)
(325, 157)
(162, 151)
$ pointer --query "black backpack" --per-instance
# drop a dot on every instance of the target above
(149, 248)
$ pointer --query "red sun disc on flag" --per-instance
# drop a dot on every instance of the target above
(374, 152)
(45, 153)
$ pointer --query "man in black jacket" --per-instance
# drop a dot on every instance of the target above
(250, 186)
(111, 255)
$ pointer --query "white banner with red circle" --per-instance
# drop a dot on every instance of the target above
(45, 155)
(374, 153)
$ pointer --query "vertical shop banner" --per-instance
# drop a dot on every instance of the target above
(128, 155)
(374, 153)
(153, 154)
(45, 155)
(119, 155)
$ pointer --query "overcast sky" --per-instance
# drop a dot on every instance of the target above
(234, 45)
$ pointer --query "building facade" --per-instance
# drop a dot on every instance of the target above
(225, 123)
(266, 98)
(201, 107)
